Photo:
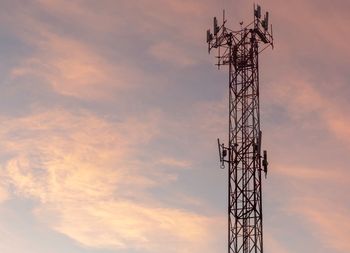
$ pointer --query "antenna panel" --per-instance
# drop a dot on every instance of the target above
(209, 36)
(216, 27)
(258, 11)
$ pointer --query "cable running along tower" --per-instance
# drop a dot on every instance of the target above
(239, 51)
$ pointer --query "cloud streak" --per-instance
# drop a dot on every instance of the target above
(91, 186)
(331, 232)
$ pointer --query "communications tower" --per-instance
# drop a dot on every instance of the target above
(239, 51)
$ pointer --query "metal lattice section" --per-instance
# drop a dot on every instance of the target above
(239, 50)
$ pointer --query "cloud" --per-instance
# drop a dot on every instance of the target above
(91, 183)
(66, 54)
(72, 68)
(168, 161)
(129, 225)
(303, 174)
(326, 220)
(93, 179)
(312, 198)
(273, 245)
(4, 195)
(170, 53)
(302, 99)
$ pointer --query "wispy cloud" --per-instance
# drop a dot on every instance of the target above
(170, 53)
(91, 185)
(311, 174)
(301, 98)
(74, 69)
(273, 245)
(326, 220)
(169, 161)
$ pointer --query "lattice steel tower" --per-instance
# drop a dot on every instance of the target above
(239, 50)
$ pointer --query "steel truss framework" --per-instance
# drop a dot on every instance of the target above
(239, 50)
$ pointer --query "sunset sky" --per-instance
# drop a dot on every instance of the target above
(110, 111)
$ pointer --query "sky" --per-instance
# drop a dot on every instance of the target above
(110, 111)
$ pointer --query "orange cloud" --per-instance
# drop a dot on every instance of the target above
(90, 185)
(125, 224)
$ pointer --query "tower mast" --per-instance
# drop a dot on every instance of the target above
(239, 50)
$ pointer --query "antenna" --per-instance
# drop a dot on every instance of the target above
(265, 22)
(216, 27)
(209, 36)
(257, 12)
(264, 162)
(222, 154)
(259, 143)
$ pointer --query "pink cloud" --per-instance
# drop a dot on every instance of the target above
(272, 245)
(90, 185)
(319, 173)
(71, 68)
(90, 172)
(169, 161)
(169, 52)
(326, 220)
(301, 97)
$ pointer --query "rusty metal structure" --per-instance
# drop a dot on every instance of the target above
(239, 51)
